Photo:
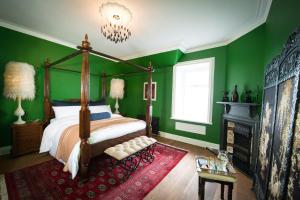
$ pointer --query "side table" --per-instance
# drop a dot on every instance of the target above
(216, 176)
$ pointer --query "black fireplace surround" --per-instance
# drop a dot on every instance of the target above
(239, 134)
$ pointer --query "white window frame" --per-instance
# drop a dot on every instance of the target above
(211, 86)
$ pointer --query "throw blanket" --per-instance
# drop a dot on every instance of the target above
(70, 136)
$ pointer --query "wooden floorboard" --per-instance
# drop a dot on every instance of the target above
(180, 184)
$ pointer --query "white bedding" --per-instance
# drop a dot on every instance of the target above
(53, 131)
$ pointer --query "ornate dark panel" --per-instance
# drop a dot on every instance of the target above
(282, 137)
(271, 74)
(289, 66)
(292, 43)
(265, 142)
(293, 191)
(278, 165)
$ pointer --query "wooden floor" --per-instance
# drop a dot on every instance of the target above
(180, 183)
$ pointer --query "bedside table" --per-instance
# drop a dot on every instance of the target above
(26, 138)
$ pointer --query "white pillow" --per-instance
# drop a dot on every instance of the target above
(65, 111)
(99, 109)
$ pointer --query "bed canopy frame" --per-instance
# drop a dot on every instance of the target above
(84, 123)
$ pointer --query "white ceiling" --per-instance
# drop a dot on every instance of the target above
(157, 25)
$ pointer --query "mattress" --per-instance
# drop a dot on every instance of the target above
(54, 130)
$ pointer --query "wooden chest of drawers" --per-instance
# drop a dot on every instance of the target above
(26, 138)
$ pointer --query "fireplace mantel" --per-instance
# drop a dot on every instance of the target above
(239, 134)
(247, 111)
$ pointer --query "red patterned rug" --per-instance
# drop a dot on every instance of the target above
(48, 181)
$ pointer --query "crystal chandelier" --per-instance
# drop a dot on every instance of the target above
(116, 18)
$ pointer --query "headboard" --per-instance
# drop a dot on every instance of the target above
(76, 102)
(48, 111)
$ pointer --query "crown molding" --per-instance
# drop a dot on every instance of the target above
(208, 46)
(34, 33)
(264, 9)
(157, 51)
(228, 41)
(43, 36)
(225, 42)
(262, 14)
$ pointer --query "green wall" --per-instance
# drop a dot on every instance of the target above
(248, 55)
(20, 47)
(245, 64)
(133, 103)
(283, 19)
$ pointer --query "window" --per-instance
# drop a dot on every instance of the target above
(193, 91)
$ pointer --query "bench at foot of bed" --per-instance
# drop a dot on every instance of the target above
(128, 155)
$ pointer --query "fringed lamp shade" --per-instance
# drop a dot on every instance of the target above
(117, 91)
(19, 84)
(117, 88)
(19, 81)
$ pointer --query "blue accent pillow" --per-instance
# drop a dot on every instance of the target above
(99, 116)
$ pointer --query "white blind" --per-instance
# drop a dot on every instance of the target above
(193, 90)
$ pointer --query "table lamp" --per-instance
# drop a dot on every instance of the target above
(19, 84)
(117, 91)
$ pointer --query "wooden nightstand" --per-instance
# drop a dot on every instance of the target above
(26, 137)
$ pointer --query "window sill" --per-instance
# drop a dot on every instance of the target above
(191, 121)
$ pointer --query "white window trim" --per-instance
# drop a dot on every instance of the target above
(211, 82)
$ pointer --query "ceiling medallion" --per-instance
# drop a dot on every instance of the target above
(116, 18)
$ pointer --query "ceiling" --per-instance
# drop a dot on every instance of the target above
(157, 25)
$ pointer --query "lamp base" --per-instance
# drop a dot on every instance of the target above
(117, 107)
(19, 121)
(19, 113)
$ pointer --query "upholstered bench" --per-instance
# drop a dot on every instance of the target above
(128, 155)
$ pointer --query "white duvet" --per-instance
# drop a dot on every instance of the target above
(54, 130)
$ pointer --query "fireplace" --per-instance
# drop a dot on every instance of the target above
(239, 134)
(242, 147)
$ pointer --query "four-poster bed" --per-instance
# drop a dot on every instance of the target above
(87, 150)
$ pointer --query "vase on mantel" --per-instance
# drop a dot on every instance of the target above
(235, 95)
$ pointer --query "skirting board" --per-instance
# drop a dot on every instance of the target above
(5, 150)
(187, 140)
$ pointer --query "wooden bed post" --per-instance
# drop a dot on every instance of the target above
(47, 104)
(84, 123)
(103, 79)
(149, 105)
